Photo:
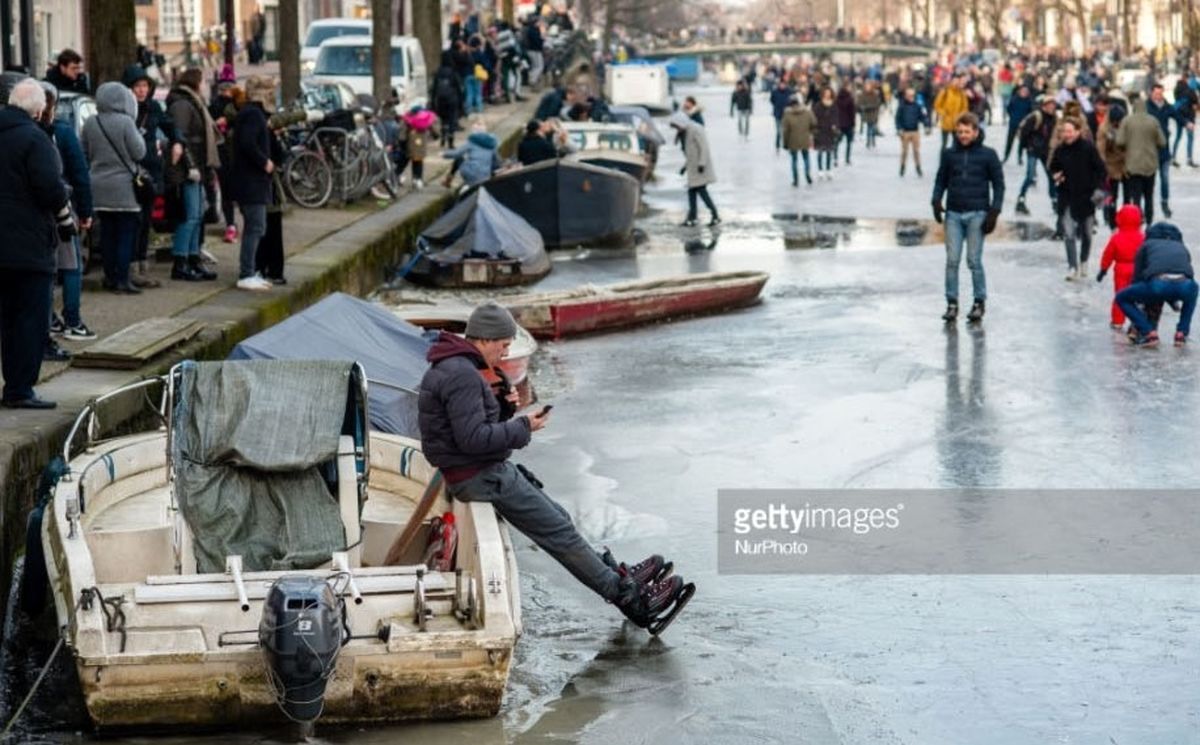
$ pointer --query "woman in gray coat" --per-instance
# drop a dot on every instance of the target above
(114, 147)
(698, 168)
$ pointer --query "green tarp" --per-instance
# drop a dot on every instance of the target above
(248, 442)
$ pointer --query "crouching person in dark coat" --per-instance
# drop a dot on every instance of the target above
(1162, 273)
(469, 433)
(35, 215)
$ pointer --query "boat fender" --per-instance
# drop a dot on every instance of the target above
(35, 582)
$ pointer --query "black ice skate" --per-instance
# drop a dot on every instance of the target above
(652, 569)
(653, 607)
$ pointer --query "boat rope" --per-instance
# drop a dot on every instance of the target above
(114, 616)
(29, 696)
(62, 638)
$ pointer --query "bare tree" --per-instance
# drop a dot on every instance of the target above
(994, 11)
(111, 41)
(427, 27)
(381, 50)
(288, 45)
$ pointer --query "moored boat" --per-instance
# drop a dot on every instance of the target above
(454, 319)
(554, 315)
(571, 204)
(236, 568)
(608, 145)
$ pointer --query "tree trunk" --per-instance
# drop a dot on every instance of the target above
(111, 42)
(381, 50)
(427, 27)
(976, 21)
(508, 11)
(230, 31)
(288, 44)
(609, 12)
(399, 22)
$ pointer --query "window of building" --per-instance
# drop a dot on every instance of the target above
(175, 16)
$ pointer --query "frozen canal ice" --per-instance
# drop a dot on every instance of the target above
(845, 377)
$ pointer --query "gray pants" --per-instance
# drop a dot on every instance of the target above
(255, 227)
(544, 521)
(1081, 231)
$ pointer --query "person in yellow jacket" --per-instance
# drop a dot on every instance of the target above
(950, 104)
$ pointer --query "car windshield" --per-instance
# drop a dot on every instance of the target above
(318, 34)
(353, 61)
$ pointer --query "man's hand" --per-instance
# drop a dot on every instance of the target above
(270, 167)
(989, 222)
(537, 421)
(176, 153)
(85, 223)
(193, 175)
(514, 398)
(1058, 177)
(937, 212)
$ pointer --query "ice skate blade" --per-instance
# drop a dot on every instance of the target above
(660, 624)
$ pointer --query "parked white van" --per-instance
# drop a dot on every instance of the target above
(328, 28)
(347, 59)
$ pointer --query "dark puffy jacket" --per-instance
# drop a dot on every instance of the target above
(779, 100)
(845, 109)
(966, 175)
(1019, 107)
(457, 413)
(31, 193)
(81, 84)
(534, 149)
(551, 104)
(1083, 172)
(1162, 253)
(248, 182)
(151, 120)
(1035, 132)
(75, 167)
(1164, 113)
(910, 116)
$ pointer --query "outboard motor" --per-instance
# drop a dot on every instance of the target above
(301, 634)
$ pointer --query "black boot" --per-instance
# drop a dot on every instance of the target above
(1021, 208)
(976, 314)
(198, 268)
(901, 169)
(920, 173)
(1166, 210)
(181, 270)
(951, 313)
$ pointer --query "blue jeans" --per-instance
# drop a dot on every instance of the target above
(1159, 291)
(474, 102)
(187, 234)
(118, 234)
(824, 160)
(872, 133)
(1191, 136)
(1031, 164)
(966, 226)
(72, 283)
(795, 171)
(778, 132)
(254, 217)
(1164, 174)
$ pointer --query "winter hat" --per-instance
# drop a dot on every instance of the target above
(227, 75)
(261, 89)
(491, 321)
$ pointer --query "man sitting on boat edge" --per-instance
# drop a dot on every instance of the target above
(463, 435)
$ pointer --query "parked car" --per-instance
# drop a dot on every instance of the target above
(75, 108)
(347, 59)
(328, 28)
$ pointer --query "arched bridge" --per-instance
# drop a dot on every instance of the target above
(815, 48)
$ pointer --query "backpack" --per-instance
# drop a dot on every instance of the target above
(445, 90)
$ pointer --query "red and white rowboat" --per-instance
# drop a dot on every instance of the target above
(554, 315)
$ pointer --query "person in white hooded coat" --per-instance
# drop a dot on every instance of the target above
(698, 167)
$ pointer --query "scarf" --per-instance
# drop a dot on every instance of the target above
(212, 137)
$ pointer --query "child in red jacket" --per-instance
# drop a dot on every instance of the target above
(1121, 248)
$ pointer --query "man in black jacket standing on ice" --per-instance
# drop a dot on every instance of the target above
(972, 181)
(469, 433)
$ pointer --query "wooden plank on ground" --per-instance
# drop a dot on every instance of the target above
(135, 345)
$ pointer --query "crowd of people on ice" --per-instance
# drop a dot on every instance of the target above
(1102, 144)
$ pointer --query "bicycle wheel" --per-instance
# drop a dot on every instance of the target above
(308, 180)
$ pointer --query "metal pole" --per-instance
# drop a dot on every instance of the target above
(230, 31)
(6, 31)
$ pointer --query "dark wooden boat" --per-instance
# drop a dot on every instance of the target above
(571, 204)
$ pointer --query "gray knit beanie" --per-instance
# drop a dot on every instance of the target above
(491, 321)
